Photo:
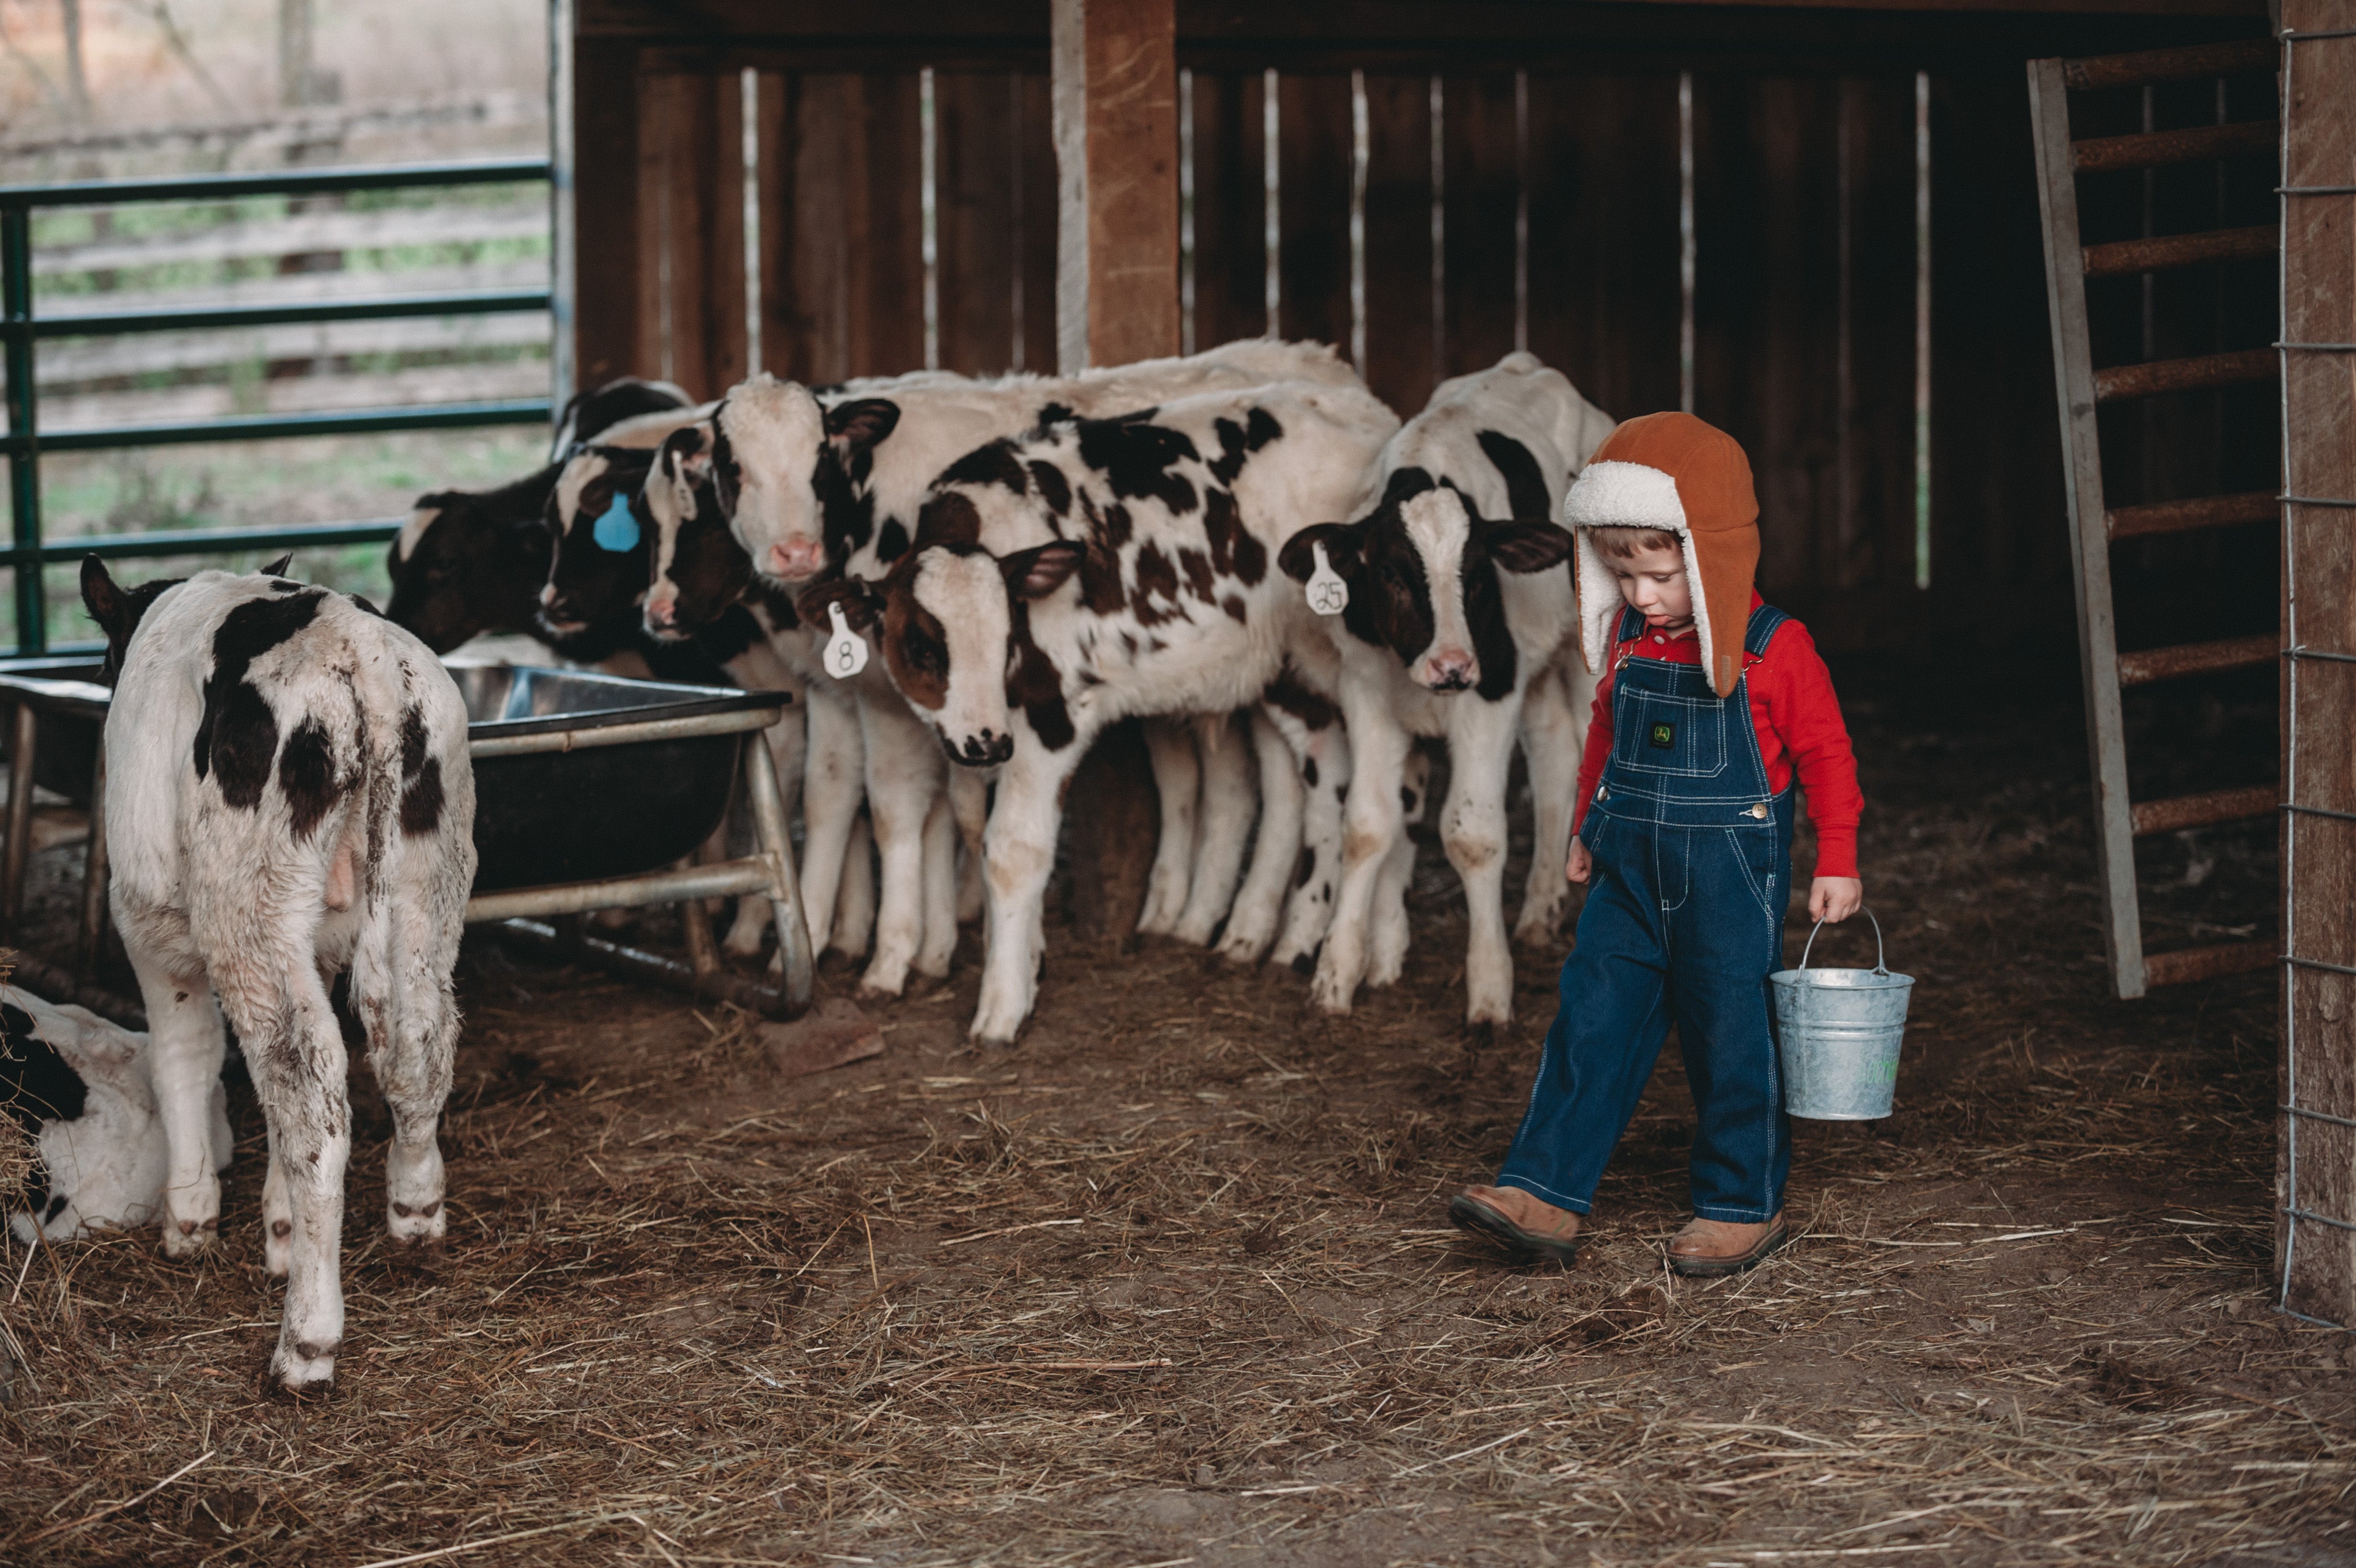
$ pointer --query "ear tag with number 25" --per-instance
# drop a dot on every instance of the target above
(846, 650)
(1328, 594)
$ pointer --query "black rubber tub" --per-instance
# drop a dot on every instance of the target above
(608, 805)
(629, 793)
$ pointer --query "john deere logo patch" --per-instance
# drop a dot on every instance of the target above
(1665, 736)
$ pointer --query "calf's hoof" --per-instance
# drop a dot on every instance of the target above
(1330, 994)
(186, 1238)
(300, 1376)
(1245, 948)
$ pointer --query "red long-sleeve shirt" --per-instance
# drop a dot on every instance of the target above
(1799, 722)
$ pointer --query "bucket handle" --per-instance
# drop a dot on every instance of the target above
(1881, 965)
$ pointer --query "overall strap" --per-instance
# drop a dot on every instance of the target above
(1762, 629)
(1629, 626)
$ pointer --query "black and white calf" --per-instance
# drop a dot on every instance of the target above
(625, 401)
(1459, 604)
(699, 578)
(1099, 569)
(824, 483)
(78, 1086)
(471, 563)
(289, 797)
(818, 482)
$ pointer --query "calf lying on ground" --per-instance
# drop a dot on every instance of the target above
(1459, 601)
(1099, 569)
(289, 797)
(78, 1086)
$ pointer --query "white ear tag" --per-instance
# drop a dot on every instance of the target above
(846, 650)
(1328, 594)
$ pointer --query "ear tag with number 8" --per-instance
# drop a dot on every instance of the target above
(846, 650)
(1328, 594)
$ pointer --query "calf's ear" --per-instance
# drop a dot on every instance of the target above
(687, 453)
(1298, 559)
(1035, 574)
(861, 423)
(278, 568)
(107, 603)
(725, 476)
(862, 605)
(1528, 546)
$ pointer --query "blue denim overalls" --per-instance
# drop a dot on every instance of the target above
(1684, 921)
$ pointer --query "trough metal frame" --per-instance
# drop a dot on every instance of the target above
(770, 871)
(28, 551)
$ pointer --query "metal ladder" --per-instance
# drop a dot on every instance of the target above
(2095, 526)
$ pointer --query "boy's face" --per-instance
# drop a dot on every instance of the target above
(1653, 583)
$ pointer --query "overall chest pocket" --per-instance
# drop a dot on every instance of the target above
(1653, 733)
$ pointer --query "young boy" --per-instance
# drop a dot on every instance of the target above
(1712, 703)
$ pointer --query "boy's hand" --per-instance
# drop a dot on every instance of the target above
(1579, 861)
(1836, 898)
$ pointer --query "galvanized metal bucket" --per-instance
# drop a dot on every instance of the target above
(1839, 1031)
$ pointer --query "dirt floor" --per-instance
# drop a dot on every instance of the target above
(1171, 1283)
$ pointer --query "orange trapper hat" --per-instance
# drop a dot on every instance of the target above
(1675, 473)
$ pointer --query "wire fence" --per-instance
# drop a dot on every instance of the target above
(109, 327)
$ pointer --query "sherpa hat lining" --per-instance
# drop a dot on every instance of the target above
(1625, 495)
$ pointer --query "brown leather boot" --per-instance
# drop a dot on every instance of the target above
(1706, 1249)
(1524, 1226)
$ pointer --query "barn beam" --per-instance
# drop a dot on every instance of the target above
(1116, 115)
(1116, 125)
(2315, 1234)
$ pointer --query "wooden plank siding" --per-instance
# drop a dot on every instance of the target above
(1999, 524)
(977, 164)
(1803, 301)
(1767, 322)
(1230, 256)
(1399, 364)
(1605, 301)
(1313, 176)
(1483, 176)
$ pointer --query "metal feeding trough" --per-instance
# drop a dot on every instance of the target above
(590, 792)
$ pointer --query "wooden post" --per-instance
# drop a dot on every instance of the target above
(1116, 108)
(1116, 122)
(2315, 1183)
(605, 199)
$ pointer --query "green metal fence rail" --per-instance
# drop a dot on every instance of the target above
(20, 329)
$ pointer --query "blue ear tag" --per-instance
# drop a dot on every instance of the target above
(616, 530)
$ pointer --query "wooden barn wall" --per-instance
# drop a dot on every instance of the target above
(1804, 309)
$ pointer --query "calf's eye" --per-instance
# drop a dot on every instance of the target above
(923, 655)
